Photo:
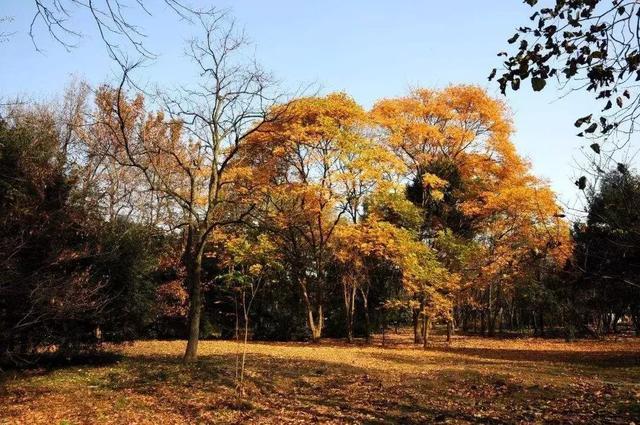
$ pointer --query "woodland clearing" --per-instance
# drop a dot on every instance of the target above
(470, 380)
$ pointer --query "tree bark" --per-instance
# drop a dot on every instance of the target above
(194, 275)
(349, 292)
(416, 335)
(365, 305)
(426, 324)
(315, 324)
(614, 323)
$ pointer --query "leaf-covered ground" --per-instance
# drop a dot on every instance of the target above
(472, 380)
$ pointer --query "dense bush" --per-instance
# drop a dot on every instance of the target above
(68, 280)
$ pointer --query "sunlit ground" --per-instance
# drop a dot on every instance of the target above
(472, 380)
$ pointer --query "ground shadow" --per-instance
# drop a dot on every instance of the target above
(603, 359)
(280, 390)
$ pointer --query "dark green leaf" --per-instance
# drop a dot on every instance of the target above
(579, 122)
(538, 83)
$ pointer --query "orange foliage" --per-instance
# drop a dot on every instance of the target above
(514, 214)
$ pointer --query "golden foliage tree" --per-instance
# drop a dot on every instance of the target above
(320, 165)
(484, 191)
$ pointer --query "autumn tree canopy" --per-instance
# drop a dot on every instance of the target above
(315, 211)
(464, 172)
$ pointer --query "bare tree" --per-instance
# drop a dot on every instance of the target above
(188, 151)
(111, 19)
(5, 35)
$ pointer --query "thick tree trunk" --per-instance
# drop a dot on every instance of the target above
(194, 274)
(315, 323)
(315, 326)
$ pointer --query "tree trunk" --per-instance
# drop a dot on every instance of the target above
(464, 318)
(614, 323)
(245, 310)
(492, 325)
(384, 327)
(493, 319)
(512, 312)
(426, 323)
(365, 305)
(416, 335)
(636, 323)
(194, 274)
(490, 322)
(315, 324)
(349, 292)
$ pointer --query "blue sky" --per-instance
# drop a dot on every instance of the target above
(370, 49)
